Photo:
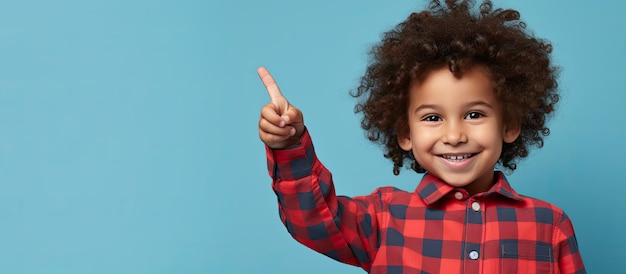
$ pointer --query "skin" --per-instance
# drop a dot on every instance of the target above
(281, 124)
(456, 128)
(448, 118)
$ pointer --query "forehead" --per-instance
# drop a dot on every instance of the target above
(441, 86)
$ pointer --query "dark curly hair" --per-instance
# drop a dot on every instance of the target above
(453, 34)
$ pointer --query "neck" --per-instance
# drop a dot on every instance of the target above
(482, 184)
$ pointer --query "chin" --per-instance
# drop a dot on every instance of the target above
(456, 181)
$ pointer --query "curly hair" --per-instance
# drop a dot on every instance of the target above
(453, 34)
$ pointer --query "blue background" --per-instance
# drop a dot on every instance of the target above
(129, 144)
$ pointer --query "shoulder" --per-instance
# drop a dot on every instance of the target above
(385, 193)
(392, 195)
(391, 191)
(545, 212)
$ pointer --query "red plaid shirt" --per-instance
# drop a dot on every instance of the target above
(435, 229)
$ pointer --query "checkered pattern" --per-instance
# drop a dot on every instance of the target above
(435, 229)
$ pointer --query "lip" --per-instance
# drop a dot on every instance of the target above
(457, 160)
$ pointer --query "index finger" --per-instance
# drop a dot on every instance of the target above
(270, 84)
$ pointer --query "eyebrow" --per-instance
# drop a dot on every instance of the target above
(467, 105)
(478, 103)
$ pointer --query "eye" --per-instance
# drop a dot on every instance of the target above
(474, 115)
(432, 118)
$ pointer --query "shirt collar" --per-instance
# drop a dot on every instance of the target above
(431, 189)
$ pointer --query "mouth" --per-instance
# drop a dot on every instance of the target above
(457, 157)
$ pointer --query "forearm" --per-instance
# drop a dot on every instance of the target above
(312, 212)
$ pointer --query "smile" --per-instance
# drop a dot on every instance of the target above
(457, 157)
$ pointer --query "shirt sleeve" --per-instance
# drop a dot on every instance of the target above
(567, 252)
(339, 227)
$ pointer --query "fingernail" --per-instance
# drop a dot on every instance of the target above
(292, 132)
(281, 124)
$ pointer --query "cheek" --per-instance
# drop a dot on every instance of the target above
(422, 138)
(489, 138)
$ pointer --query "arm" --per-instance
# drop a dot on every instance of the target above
(566, 249)
(339, 227)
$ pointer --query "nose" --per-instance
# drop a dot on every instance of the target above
(453, 133)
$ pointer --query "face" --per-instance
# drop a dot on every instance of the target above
(456, 128)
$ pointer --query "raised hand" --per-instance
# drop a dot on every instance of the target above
(281, 124)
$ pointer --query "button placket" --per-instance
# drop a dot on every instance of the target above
(474, 232)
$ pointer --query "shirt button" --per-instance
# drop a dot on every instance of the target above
(458, 195)
(473, 255)
(476, 206)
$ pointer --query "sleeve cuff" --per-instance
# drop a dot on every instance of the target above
(294, 162)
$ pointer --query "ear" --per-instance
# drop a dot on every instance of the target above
(404, 140)
(511, 132)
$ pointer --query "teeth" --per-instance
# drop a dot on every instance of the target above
(457, 157)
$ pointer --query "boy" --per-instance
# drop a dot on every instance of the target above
(453, 93)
